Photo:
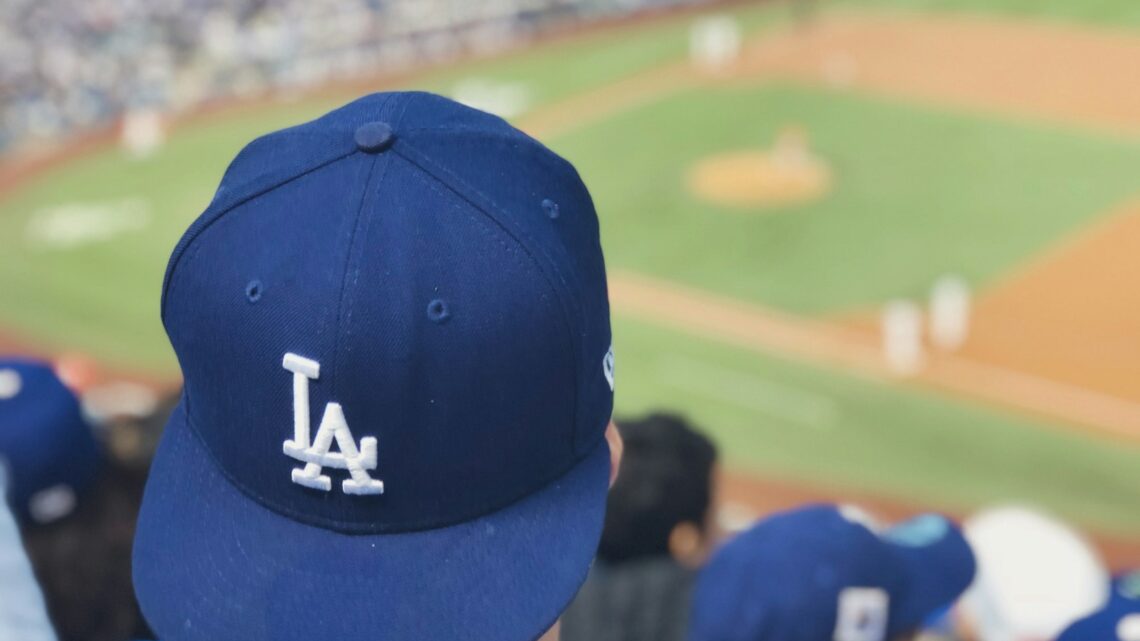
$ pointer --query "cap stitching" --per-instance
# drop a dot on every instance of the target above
(514, 251)
(406, 151)
(347, 268)
(356, 528)
(346, 303)
(189, 243)
(190, 254)
(369, 529)
(550, 157)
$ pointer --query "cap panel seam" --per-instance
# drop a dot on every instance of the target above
(353, 528)
(193, 248)
(514, 249)
(189, 243)
(347, 268)
(489, 217)
(345, 302)
(549, 157)
(409, 153)
(220, 204)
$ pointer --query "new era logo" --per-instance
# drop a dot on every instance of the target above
(608, 367)
(316, 455)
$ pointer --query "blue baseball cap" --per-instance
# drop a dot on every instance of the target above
(47, 448)
(393, 326)
(821, 573)
(1118, 620)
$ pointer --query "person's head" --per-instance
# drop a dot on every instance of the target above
(1117, 620)
(821, 573)
(47, 448)
(76, 504)
(663, 502)
(393, 328)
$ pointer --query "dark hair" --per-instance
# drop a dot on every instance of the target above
(665, 480)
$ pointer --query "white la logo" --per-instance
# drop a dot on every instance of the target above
(608, 367)
(316, 455)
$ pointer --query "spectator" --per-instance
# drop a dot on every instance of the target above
(83, 561)
(76, 500)
(48, 448)
(660, 525)
(1118, 620)
(821, 573)
(430, 464)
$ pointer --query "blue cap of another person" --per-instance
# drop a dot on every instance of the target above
(47, 448)
(1118, 620)
(822, 573)
(393, 327)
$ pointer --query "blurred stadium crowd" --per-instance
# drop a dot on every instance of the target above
(67, 66)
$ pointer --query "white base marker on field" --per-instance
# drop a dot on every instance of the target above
(715, 42)
(949, 312)
(902, 337)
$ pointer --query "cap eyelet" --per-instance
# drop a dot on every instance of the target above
(253, 291)
(437, 311)
(551, 208)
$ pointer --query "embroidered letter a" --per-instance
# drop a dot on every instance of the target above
(316, 455)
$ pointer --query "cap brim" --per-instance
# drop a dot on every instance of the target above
(211, 563)
(938, 564)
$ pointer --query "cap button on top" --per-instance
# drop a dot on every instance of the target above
(374, 137)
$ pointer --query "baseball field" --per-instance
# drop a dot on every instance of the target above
(997, 140)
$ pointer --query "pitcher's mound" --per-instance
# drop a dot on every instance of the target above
(787, 174)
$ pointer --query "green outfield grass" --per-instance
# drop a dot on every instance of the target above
(1121, 13)
(918, 193)
(803, 422)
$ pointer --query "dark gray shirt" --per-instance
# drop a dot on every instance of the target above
(642, 600)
